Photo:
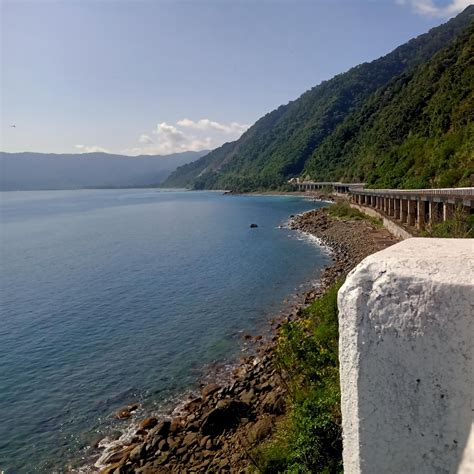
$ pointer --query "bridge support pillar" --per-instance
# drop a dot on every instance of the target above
(420, 215)
(448, 211)
(433, 212)
(411, 212)
(403, 210)
(396, 208)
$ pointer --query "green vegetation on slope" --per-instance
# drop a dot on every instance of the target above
(313, 134)
(418, 131)
(310, 438)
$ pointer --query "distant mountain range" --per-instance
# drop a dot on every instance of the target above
(36, 171)
(403, 120)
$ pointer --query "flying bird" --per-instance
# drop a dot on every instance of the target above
(13, 126)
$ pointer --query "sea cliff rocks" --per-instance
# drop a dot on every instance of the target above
(214, 432)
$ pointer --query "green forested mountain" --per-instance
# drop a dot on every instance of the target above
(402, 120)
(416, 132)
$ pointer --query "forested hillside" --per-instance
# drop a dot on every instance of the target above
(416, 132)
(358, 124)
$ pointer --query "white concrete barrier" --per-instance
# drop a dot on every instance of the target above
(406, 321)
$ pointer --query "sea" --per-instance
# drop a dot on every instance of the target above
(113, 297)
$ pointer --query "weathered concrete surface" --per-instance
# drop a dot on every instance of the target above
(406, 355)
(389, 224)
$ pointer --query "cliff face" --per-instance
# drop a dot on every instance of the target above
(311, 134)
(406, 355)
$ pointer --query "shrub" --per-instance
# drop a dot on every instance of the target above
(342, 210)
(310, 438)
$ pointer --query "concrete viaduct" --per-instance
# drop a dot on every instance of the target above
(413, 207)
(335, 187)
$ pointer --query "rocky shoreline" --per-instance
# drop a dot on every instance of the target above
(217, 430)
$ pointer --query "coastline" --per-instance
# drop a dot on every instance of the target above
(217, 429)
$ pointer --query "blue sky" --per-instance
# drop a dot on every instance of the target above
(164, 76)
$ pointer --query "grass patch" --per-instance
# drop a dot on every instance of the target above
(460, 227)
(310, 438)
(343, 211)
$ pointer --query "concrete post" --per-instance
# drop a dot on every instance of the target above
(411, 212)
(396, 208)
(420, 215)
(448, 211)
(403, 210)
(433, 212)
(406, 358)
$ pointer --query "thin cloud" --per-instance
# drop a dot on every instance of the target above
(144, 138)
(206, 124)
(186, 135)
(91, 149)
(430, 8)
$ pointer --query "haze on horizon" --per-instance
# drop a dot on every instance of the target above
(164, 77)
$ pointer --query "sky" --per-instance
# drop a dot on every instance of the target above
(163, 76)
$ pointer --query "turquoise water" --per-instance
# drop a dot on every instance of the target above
(114, 296)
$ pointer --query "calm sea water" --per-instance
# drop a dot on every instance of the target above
(114, 296)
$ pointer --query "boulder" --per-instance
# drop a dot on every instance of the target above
(127, 411)
(148, 423)
(274, 403)
(163, 445)
(115, 455)
(161, 430)
(209, 390)
(247, 396)
(203, 441)
(261, 429)
(190, 439)
(136, 453)
(123, 413)
(226, 415)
